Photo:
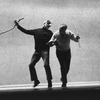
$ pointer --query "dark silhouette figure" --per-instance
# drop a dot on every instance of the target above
(61, 39)
(41, 37)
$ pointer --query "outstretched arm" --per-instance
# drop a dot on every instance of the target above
(23, 29)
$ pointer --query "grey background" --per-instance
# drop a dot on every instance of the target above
(17, 48)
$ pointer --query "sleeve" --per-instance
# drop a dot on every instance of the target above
(52, 40)
(54, 37)
(73, 36)
(29, 32)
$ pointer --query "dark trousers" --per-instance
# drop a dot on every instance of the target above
(35, 58)
(64, 58)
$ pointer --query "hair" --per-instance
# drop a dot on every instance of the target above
(63, 27)
(47, 21)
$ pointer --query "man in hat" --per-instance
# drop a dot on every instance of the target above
(41, 37)
(61, 39)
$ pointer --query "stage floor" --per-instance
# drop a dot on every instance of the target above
(41, 86)
(73, 91)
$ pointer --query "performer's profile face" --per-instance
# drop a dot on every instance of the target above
(47, 24)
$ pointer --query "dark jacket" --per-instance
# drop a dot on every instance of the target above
(41, 37)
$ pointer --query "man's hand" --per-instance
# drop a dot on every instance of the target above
(50, 43)
(78, 37)
(55, 43)
(16, 23)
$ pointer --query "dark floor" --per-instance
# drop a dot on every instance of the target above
(55, 93)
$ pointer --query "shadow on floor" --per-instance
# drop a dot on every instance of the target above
(72, 92)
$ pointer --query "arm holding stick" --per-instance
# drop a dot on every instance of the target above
(77, 36)
(11, 28)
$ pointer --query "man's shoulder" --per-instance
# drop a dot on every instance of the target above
(37, 29)
(69, 32)
(56, 32)
(50, 31)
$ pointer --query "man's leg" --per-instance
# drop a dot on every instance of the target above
(61, 59)
(45, 56)
(33, 74)
(63, 72)
(67, 63)
(67, 59)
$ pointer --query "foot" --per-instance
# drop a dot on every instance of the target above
(49, 84)
(63, 85)
(36, 83)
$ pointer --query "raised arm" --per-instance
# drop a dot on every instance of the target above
(29, 32)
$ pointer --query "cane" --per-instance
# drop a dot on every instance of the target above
(11, 28)
(77, 35)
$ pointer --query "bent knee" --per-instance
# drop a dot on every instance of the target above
(47, 66)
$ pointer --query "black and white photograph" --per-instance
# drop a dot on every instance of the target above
(49, 49)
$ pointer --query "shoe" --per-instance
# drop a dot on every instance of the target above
(63, 85)
(36, 83)
(49, 84)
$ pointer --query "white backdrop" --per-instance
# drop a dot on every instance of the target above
(16, 48)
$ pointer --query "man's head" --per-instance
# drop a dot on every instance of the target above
(47, 24)
(62, 28)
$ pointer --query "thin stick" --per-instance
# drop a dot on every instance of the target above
(77, 35)
(11, 28)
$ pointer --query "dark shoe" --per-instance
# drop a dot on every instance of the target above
(36, 83)
(49, 84)
(64, 85)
